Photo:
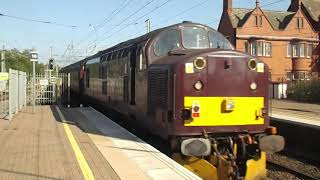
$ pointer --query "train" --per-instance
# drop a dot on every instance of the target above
(187, 84)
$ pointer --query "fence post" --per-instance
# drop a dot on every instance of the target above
(10, 95)
(68, 89)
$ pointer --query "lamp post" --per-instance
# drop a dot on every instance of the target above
(33, 58)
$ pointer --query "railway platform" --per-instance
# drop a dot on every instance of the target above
(302, 113)
(78, 143)
(299, 124)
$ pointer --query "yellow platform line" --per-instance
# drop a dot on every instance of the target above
(85, 169)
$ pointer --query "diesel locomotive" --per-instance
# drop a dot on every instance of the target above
(186, 84)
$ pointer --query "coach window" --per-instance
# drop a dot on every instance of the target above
(142, 60)
(88, 78)
(166, 42)
(109, 57)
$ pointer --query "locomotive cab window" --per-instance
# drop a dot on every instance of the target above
(167, 41)
(217, 40)
(194, 38)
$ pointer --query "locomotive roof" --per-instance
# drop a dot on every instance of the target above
(144, 37)
(130, 42)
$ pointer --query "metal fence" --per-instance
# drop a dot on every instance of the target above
(13, 94)
(48, 89)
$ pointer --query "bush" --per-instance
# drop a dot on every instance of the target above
(308, 91)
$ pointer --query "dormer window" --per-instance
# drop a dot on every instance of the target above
(299, 23)
(258, 20)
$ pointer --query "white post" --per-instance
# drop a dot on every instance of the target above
(34, 58)
(10, 96)
(148, 25)
(3, 63)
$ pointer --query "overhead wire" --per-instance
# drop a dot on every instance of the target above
(124, 20)
(37, 21)
(122, 6)
(139, 18)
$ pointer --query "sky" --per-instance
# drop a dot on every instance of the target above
(99, 24)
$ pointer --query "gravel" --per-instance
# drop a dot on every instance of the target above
(298, 165)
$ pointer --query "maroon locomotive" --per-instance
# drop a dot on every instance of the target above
(187, 84)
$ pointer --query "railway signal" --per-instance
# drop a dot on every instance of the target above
(51, 64)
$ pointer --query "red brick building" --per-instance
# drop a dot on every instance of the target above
(283, 39)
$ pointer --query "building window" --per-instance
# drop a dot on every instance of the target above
(268, 49)
(289, 50)
(309, 50)
(254, 48)
(259, 48)
(258, 20)
(295, 50)
(299, 23)
(247, 47)
(301, 50)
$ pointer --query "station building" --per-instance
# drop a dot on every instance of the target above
(285, 40)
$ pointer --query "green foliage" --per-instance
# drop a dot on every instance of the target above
(308, 91)
(21, 61)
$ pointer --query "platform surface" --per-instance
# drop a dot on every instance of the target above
(78, 143)
(36, 146)
(295, 111)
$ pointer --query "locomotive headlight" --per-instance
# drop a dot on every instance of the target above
(230, 105)
(198, 85)
(252, 64)
(253, 86)
(200, 63)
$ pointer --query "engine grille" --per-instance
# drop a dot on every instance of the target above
(157, 89)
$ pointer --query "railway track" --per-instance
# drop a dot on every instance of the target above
(297, 168)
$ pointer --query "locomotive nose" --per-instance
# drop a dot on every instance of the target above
(228, 89)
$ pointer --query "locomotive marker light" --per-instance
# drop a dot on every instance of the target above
(189, 68)
(198, 85)
(253, 86)
(195, 109)
(252, 64)
(200, 63)
(260, 67)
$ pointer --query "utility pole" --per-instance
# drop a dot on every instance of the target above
(49, 64)
(148, 25)
(3, 58)
(33, 58)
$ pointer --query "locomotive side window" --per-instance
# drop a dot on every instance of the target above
(142, 60)
(194, 38)
(168, 41)
(216, 40)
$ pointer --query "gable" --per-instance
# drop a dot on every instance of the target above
(292, 24)
(279, 19)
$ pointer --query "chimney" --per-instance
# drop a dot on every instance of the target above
(295, 5)
(227, 5)
(257, 3)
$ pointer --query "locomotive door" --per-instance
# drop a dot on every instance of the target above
(81, 78)
(133, 75)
